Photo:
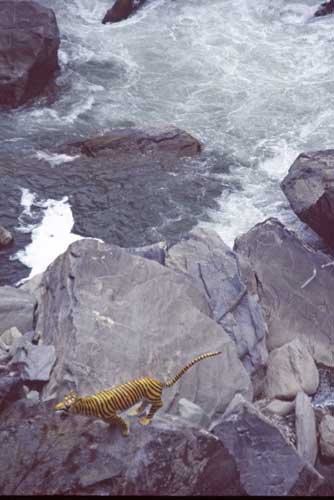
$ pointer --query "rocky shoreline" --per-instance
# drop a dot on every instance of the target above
(249, 422)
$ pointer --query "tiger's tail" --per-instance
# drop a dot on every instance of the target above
(172, 381)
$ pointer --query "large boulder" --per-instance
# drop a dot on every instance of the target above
(29, 42)
(120, 145)
(307, 444)
(325, 9)
(291, 369)
(295, 285)
(267, 463)
(214, 268)
(44, 454)
(122, 9)
(16, 309)
(113, 317)
(309, 187)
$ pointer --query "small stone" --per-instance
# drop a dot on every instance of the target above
(5, 236)
(278, 407)
(326, 430)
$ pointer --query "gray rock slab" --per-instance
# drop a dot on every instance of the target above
(16, 309)
(291, 369)
(81, 456)
(193, 413)
(307, 444)
(34, 362)
(267, 463)
(292, 305)
(114, 317)
(215, 270)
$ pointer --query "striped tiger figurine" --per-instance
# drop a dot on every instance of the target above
(105, 404)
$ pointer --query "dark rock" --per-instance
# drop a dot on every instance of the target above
(34, 362)
(113, 317)
(29, 42)
(309, 187)
(214, 268)
(120, 145)
(293, 305)
(16, 309)
(267, 463)
(307, 444)
(122, 9)
(11, 389)
(44, 454)
(5, 237)
(325, 8)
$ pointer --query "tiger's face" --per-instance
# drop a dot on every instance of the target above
(68, 401)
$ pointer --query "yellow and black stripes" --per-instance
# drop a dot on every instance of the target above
(104, 404)
(172, 381)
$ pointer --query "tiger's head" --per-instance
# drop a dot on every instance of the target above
(67, 403)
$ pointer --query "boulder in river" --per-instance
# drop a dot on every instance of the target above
(325, 9)
(295, 285)
(6, 237)
(29, 42)
(122, 9)
(309, 187)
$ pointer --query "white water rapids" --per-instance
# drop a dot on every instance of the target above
(253, 80)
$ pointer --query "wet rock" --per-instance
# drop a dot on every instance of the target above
(80, 456)
(214, 268)
(114, 317)
(193, 413)
(309, 187)
(29, 42)
(34, 362)
(291, 369)
(6, 237)
(326, 431)
(267, 463)
(325, 8)
(122, 9)
(296, 300)
(16, 309)
(307, 444)
(120, 145)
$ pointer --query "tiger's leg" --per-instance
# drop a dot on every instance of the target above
(116, 420)
(138, 410)
(155, 405)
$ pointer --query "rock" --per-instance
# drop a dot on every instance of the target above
(77, 456)
(8, 342)
(193, 413)
(292, 305)
(326, 431)
(279, 407)
(113, 317)
(156, 252)
(5, 236)
(309, 187)
(122, 9)
(267, 463)
(16, 309)
(29, 42)
(34, 362)
(291, 369)
(33, 396)
(10, 389)
(214, 268)
(121, 145)
(325, 8)
(307, 444)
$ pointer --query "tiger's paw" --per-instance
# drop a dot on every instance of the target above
(144, 421)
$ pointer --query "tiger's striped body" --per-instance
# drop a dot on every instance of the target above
(105, 404)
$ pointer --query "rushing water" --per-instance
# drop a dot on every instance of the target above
(253, 80)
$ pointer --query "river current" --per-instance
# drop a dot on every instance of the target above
(253, 80)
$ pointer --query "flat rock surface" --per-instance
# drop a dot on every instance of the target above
(16, 309)
(293, 305)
